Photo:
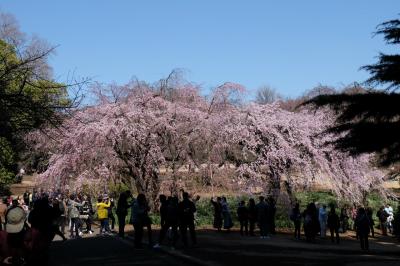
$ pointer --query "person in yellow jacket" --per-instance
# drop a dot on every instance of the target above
(102, 213)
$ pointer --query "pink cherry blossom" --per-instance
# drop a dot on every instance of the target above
(130, 139)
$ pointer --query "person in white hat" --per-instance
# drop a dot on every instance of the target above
(12, 245)
(15, 220)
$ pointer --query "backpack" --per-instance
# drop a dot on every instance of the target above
(61, 207)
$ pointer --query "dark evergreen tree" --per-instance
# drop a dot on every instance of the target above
(371, 120)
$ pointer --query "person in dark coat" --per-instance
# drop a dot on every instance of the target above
(333, 224)
(186, 210)
(311, 222)
(371, 221)
(295, 216)
(243, 217)
(363, 227)
(262, 217)
(140, 218)
(344, 219)
(271, 214)
(217, 223)
(56, 214)
(171, 221)
(163, 210)
(396, 224)
(122, 211)
(41, 218)
(111, 216)
(252, 216)
(226, 214)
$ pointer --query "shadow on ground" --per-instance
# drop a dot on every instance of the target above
(104, 251)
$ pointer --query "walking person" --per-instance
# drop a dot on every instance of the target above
(243, 217)
(252, 215)
(333, 224)
(217, 222)
(122, 211)
(295, 216)
(363, 225)
(186, 210)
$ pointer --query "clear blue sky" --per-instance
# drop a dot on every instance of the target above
(290, 45)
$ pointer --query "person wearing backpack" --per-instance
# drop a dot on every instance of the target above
(382, 216)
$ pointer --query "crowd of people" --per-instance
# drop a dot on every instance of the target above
(262, 214)
(315, 219)
(29, 223)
